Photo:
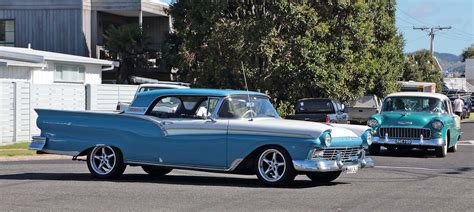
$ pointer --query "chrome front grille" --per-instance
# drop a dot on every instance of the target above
(346, 153)
(398, 132)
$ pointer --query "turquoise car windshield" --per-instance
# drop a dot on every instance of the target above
(247, 107)
(413, 104)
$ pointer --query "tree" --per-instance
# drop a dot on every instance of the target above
(290, 49)
(422, 67)
(468, 53)
(129, 44)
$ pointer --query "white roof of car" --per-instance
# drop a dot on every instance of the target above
(419, 94)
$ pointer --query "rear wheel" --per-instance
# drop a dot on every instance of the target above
(105, 162)
(156, 171)
(374, 149)
(453, 148)
(274, 167)
(323, 177)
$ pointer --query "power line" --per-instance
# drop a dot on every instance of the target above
(407, 14)
(412, 40)
(431, 33)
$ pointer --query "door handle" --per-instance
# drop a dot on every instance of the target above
(167, 122)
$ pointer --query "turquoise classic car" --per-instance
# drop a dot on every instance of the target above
(204, 129)
(416, 120)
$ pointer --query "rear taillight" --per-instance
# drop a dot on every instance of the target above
(328, 120)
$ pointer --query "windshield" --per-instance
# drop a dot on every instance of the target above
(240, 107)
(413, 104)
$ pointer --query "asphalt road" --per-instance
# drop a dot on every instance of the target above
(405, 181)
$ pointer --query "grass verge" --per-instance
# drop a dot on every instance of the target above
(17, 149)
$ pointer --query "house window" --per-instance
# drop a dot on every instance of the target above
(7, 33)
(69, 73)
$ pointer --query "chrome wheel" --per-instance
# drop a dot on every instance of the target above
(103, 160)
(272, 165)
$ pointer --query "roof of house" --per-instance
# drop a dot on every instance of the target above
(144, 99)
(418, 94)
(36, 56)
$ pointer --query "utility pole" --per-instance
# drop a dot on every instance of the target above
(431, 33)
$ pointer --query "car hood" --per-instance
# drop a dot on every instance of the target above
(416, 119)
(343, 133)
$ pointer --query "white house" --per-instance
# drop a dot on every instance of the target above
(42, 67)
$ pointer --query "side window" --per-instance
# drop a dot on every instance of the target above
(226, 110)
(166, 107)
(448, 107)
(338, 107)
(207, 107)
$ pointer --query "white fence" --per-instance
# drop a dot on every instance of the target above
(105, 97)
(19, 99)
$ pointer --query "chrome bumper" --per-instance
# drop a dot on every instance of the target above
(414, 142)
(323, 165)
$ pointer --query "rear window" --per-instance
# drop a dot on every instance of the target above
(364, 102)
(315, 106)
(144, 89)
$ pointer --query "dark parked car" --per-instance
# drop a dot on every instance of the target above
(319, 110)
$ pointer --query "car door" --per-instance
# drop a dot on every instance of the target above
(192, 141)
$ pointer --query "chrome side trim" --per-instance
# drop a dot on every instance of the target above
(232, 167)
(268, 133)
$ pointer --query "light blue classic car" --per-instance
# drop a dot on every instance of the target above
(204, 129)
(416, 120)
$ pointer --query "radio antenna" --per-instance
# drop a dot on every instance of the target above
(248, 93)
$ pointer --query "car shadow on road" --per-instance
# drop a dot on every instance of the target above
(168, 179)
(410, 153)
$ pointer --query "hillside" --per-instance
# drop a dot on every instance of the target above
(450, 62)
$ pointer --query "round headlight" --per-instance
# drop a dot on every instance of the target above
(372, 123)
(328, 139)
(437, 124)
(369, 138)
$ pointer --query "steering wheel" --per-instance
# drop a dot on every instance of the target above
(248, 112)
(436, 110)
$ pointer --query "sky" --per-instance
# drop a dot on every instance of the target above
(459, 14)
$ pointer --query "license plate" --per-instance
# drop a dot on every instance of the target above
(403, 141)
(37, 143)
(352, 169)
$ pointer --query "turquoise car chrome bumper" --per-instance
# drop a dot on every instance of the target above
(323, 165)
(413, 142)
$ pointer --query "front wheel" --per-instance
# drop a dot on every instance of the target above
(323, 177)
(274, 167)
(105, 162)
(156, 171)
(442, 151)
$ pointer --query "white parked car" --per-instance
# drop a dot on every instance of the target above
(122, 106)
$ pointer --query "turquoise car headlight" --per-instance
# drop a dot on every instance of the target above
(372, 123)
(367, 137)
(438, 125)
(326, 138)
